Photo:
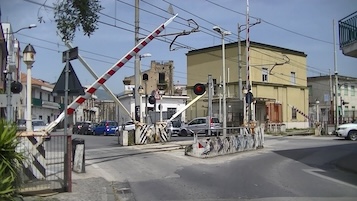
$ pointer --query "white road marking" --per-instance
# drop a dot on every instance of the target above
(314, 171)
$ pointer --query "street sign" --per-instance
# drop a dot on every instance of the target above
(74, 85)
(73, 54)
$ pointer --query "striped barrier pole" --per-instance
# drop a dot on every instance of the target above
(102, 79)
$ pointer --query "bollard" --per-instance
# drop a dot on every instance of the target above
(78, 155)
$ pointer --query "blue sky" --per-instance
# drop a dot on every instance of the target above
(302, 25)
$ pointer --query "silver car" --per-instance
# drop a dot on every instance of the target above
(201, 125)
(38, 125)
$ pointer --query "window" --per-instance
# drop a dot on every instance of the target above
(161, 77)
(49, 97)
(346, 108)
(292, 78)
(310, 90)
(353, 108)
(293, 113)
(265, 74)
(41, 95)
(345, 89)
(353, 92)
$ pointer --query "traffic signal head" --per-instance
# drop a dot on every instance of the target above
(152, 99)
(199, 89)
(16, 87)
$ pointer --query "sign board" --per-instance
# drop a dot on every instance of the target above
(74, 85)
(73, 54)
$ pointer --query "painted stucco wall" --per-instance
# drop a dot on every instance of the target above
(280, 86)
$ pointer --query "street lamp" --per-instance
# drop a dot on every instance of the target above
(29, 58)
(28, 27)
(10, 65)
(223, 34)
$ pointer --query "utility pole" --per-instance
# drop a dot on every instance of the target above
(240, 85)
(210, 97)
(331, 113)
(220, 100)
(336, 75)
(137, 66)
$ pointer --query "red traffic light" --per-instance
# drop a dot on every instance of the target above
(199, 89)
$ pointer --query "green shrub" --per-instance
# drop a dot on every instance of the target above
(9, 160)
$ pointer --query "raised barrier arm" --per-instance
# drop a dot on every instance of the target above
(101, 80)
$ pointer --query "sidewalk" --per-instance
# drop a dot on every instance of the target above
(89, 189)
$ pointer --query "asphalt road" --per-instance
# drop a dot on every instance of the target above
(288, 168)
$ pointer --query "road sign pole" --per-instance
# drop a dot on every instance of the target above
(210, 96)
(67, 170)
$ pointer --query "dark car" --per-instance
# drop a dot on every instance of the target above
(86, 129)
(106, 128)
(76, 127)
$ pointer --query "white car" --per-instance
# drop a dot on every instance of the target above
(38, 125)
(348, 131)
(128, 126)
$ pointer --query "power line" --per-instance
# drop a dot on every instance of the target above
(274, 25)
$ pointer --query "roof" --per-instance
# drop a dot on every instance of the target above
(253, 44)
(324, 77)
(35, 81)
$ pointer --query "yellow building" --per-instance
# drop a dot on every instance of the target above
(278, 77)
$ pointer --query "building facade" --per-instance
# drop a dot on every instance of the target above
(45, 106)
(321, 93)
(278, 77)
(160, 77)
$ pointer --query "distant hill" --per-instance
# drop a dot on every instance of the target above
(102, 95)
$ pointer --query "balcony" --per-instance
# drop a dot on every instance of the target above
(162, 85)
(348, 35)
(45, 104)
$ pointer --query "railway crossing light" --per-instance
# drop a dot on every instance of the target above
(199, 89)
(152, 99)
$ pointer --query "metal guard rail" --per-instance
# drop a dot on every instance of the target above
(348, 30)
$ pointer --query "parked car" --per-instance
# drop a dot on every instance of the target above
(106, 128)
(347, 131)
(200, 125)
(21, 124)
(86, 128)
(38, 125)
(129, 125)
(173, 127)
(76, 127)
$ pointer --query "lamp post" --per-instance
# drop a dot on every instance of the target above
(223, 34)
(29, 58)
(317, 111)
(10, 66)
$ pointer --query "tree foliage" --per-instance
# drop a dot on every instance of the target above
(73, 15)
(9, 159)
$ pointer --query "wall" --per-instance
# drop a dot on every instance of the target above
(177, 102)
(279, 86)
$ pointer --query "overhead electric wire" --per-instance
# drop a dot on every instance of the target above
(150, 13)
(277, 26)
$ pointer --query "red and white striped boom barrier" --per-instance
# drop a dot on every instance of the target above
(300, 112)
(102, 79)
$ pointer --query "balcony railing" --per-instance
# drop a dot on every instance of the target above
(348, 30)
